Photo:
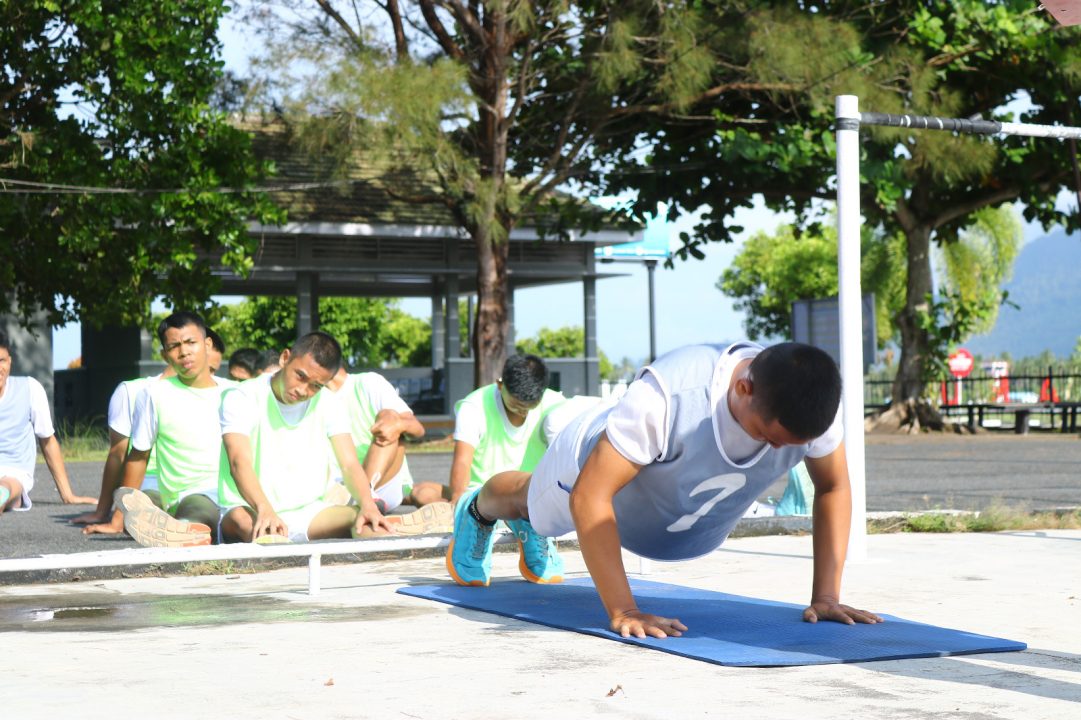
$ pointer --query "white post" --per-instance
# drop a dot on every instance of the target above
(314, 566)
(848, 274)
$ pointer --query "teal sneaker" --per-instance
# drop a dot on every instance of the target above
(539, 561)
(469, 557)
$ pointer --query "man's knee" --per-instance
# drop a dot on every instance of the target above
(333, 522)
(200, 509)
(15, 492)
(237, 524)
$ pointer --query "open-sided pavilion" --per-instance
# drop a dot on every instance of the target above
(377, 232)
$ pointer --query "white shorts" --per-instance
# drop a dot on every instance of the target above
(300, 519)
(150, 482)
(391, 493)
(555, 475)
(26, 480)
(297, 521)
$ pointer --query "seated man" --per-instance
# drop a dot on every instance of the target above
(496, 427)
(275, 462)
(668, 470)
(24, 416)
(378, 420)
(244, 364)
(120, 417)
(176, 417)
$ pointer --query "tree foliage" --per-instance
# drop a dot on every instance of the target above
(111, 95)
(373, 332)
(774, 137)
(564, 342)
(772, 271)
(501, 103)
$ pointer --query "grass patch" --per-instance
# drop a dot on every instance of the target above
(83, 441)
(996, 518)
(219, 567)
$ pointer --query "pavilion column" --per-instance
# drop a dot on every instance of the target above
(307, 302)
(510, 320)
(438, 328)
(589, 314)
(453, 346)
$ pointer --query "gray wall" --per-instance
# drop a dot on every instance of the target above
(818, 323)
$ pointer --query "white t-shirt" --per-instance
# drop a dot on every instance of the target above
(240, 415)
(380, 394)
(470, 425)
(637, 426)
(122, 404)
(40, 415)
(144, 423)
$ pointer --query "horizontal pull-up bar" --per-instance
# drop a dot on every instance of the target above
(973, 126)
(847, 125)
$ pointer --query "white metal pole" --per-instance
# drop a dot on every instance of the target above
(851, 313)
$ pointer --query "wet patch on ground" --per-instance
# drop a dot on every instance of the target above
(97, 612)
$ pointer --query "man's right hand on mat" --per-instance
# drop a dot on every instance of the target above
(636, 623)
(268, 523)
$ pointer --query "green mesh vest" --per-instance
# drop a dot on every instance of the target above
(292, 462)
(497, 452)
(188, 443)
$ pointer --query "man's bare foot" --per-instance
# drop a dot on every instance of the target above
(90, 518)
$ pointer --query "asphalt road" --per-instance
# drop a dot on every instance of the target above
(903, 473)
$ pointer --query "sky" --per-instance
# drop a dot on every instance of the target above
(689, 308)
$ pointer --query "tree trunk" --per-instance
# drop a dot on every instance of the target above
(491, 230)
(492, 322)
(908, 383)
(909, 411)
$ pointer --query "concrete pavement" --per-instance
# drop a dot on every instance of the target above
(243, 646)
(904, 473)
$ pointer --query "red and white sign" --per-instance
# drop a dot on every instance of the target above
(961, 363)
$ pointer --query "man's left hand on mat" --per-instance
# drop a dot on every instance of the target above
(829, 610)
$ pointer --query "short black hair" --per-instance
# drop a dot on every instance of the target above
(799, 386)
(268, 358)
(180, 320)
(216, 341)
(5, 342)
(247, 358)
(525, 377)
(323, 348)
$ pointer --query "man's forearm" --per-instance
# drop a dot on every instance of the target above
(598, 537)
(54, 460)
(111, 476)
(247, 484)
(832, 522)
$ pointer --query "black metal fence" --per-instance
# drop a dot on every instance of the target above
(984, 388)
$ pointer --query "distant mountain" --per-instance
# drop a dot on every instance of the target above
(1046, 285)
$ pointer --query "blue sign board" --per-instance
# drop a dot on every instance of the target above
(654, 244)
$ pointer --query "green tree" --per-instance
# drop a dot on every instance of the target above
(113, 160)
(499, 103)
(773, 271)
(929, 57)
(373, 332)
(564, 342)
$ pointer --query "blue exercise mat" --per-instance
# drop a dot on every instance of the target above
(723, 629)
